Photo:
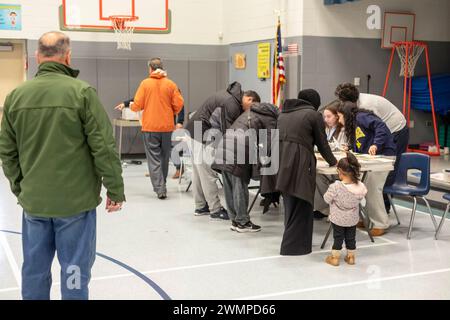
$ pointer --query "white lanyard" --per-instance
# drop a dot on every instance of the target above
(331, 133)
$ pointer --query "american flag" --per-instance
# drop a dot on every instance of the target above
(291, 48)
(279, 74)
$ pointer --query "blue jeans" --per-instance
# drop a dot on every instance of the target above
(74, 241)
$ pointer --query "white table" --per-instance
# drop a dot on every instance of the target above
(121, 123)
(368, 164)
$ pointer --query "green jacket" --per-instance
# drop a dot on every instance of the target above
(57, 145)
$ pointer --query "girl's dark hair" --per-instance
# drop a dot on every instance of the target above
(349, 110)
(347, 92)
(333, 108)
(350, 166)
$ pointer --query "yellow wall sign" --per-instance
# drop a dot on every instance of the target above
(264, 60)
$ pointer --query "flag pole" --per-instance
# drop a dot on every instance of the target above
(274, 62)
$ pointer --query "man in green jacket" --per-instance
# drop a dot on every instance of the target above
(57, 148)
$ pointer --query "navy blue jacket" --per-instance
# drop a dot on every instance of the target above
(371, 130)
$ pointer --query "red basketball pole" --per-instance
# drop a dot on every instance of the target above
(405, 80)
(409, 100)
(430, 86)
(388, 75)
(407, 92)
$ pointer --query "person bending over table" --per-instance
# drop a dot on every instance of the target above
(390, 115)
(368, 134)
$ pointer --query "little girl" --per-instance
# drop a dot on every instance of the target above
(344, 198)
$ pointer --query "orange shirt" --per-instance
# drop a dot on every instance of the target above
(160, 99)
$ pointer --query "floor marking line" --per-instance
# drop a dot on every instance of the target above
(9, 289)
(421, 212)
(199, 266)
(342, 285)
(11, 260)
(382, 238)
(126, 275)
(138, 274)
(129, 275)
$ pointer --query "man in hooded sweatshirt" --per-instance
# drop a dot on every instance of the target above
(205, 128)
(160, 100)
(237, 158)
(301, 127)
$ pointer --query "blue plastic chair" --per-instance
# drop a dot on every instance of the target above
(446, 197)
(411, 161)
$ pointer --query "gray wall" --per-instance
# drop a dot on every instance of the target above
(199, 71)
(248, 77)
(328, 61)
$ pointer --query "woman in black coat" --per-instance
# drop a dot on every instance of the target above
(301, 128)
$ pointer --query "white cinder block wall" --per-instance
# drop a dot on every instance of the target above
(193, 22)
(201, 21)
(349, 20)
(250, 20)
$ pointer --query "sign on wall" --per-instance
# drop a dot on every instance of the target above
(10, 17)
(264, 60)
(240, 61)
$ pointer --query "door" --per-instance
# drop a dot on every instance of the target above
(13, 73)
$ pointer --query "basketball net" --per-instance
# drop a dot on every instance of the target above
(409, 53)
(124, 29)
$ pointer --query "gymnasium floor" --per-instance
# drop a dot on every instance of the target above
(157, 249)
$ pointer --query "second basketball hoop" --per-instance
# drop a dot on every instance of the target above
(124, 29)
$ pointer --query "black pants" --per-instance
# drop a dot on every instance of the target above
(401, 139)
(298, 227)
(341, 234)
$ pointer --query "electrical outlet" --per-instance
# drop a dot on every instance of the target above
(411, 124)
(429, 123)
(357, 82)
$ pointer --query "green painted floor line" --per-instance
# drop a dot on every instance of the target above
(420, 207)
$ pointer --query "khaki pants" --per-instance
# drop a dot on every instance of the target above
(204, 179)
(375, 208)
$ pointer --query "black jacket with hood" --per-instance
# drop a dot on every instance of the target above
(260, 116)
(219, 111)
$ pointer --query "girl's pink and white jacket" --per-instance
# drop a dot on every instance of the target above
(344, 202)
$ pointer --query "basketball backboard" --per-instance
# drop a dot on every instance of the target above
(93, 15)
(398, 26)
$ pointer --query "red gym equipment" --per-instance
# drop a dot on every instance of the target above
(409, 53)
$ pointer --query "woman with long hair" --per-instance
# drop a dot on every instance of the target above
(337, 139)
(368, 134)
(334, 130)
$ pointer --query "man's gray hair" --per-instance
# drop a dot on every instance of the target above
(53, 44)
(155, 64)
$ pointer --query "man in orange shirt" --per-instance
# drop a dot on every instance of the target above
(160, 100)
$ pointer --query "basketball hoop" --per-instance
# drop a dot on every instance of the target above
(124, 30)
(409, 53)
